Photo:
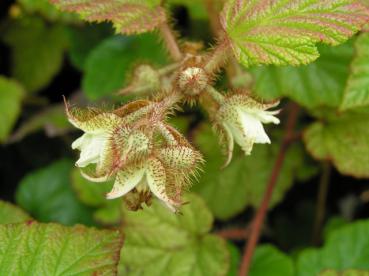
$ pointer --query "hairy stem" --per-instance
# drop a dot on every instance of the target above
(170, 42)
(258, 220)
(217, 58)
(321, 202)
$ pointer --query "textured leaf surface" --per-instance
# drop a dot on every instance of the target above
(34, 62)
(108, 64)
(128, 16)
(285, 32)
(159, 242)
(269, 261)
(320, 83)
(242, 183)
(357, 89)
(348, 272)
(10, 213)
(48, 196)
(11, 94)
(50, 249)
(47, 10)
(345, 248)
(343, 139)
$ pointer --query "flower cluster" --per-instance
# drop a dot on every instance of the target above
(138, 149)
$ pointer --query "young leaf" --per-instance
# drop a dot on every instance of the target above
(127, 16)
(11, 94)
(345, 248)
(286, 32)
(343, 139)
(48, 196)
(49, 249)
(243, 182)
(269, 261)
(159, 242)
(357, 89)
(10, 213)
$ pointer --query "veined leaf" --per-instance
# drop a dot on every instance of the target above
(128, 16)
(345, 248)
(343, 139)
(49, 249)
(318, 84)
(159, 242)
(10, 213)
(357, 89)
(285, 32)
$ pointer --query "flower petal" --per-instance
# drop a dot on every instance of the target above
(253, 128)
(90, 146)
(156, 179)
(126, 180)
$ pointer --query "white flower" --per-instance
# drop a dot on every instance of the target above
(241, 119)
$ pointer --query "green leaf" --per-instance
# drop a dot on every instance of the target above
(345, 248)
(269, 261)
(286, 32)
(83, 39)
(10, 213)
(321, 83)
(243, 182)
(37, 51)
(159, 242)
(127, 16)
(48, 196)
(357, 89)
(46, 10)
(108, 64)
(50, 249)
(343, 139)
(11, 95)
(52, 120)
(349, 272)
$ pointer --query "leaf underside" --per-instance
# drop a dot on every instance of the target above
(127, 16)
(286, 32)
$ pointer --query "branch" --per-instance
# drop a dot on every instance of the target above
(258, 220)
(234, 233)
(171, 42)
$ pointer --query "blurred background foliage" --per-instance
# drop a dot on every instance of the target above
(45, 53)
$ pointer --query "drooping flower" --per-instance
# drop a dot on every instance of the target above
(143, 158)
(240, 119)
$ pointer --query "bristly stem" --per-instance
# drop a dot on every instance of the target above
(258, 220)
(217, 58)
(233, 233)
(170, 42)
(321, 202)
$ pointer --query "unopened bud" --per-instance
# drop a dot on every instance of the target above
(193, 80)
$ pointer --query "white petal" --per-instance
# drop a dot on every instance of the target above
(91, 146)
(267, 117)
(125, 181)
(254, 128)
(156, 179)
